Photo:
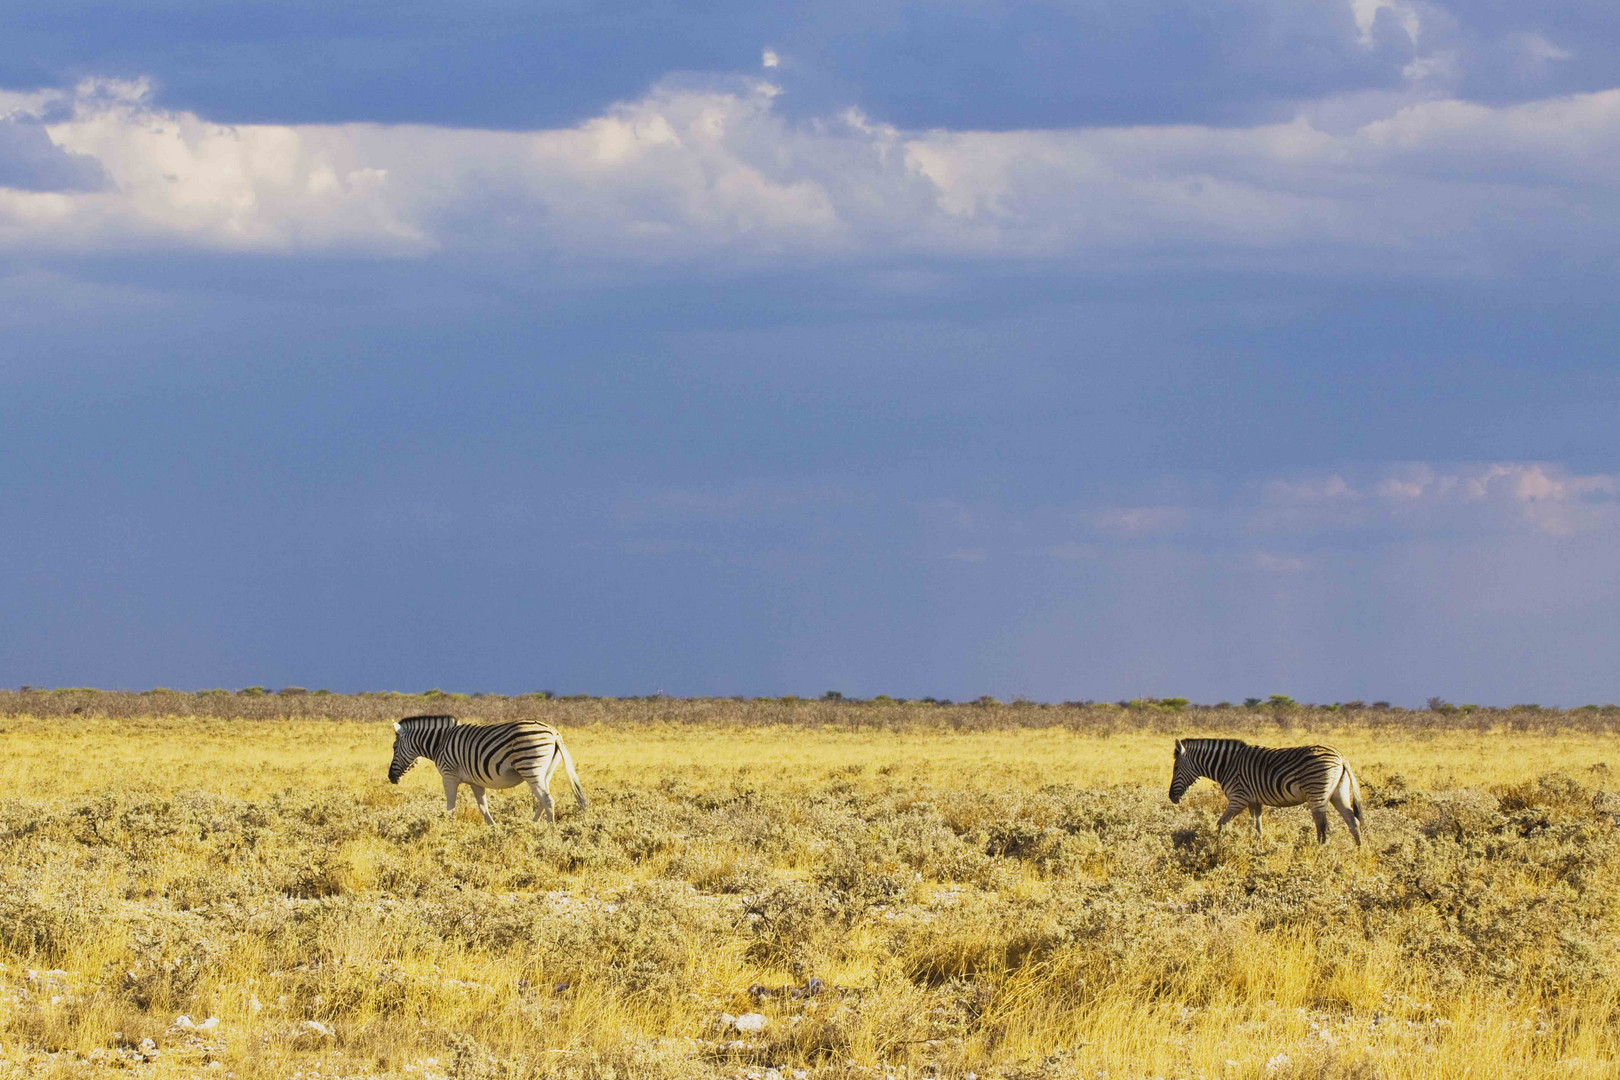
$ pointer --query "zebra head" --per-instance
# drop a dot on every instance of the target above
(414, 737)
(405, 754)
(1186, 774)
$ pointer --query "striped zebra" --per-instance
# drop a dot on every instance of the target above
(480, 756)
(1256, 776)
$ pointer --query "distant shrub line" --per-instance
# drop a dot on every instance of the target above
(831, 710)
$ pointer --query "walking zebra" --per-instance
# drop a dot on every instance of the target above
(1256, 776)
(493, 756)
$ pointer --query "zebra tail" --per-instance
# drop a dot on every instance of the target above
(573, 777)
(1355, 794)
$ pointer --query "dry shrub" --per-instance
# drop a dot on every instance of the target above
(875, 922)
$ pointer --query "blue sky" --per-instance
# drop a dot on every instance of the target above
(1073, 351)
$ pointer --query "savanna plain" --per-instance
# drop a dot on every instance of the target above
(226, 885)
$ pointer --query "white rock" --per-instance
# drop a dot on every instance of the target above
(209, 1024)
(726, 1020)
(182, 1023)
(751, 1022)
(315, 1027)
(254, 1004)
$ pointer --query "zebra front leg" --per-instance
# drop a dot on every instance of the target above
(1233, 809)
(481, 797)
(450, 785)
(1254, 812)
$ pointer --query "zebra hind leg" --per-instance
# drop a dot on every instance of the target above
(1341, 802)
(481, 797)
(1319, 815)
(1254, 812)
(543, 804)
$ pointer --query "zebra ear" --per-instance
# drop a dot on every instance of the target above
(1179, 747)
(396, 729)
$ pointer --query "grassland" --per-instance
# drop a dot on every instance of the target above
(898, 890)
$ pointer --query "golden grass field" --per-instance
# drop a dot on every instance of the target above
(984, 895)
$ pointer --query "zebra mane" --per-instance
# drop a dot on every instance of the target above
(1206, 743)
(433, 722)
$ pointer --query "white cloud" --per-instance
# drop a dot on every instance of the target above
(1366, 15)
(1413, 502)
(1536, 51)
(1420, 498)
(686, 171)
(769, 59)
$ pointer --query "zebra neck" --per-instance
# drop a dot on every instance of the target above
(1216, 764)
(430, 743)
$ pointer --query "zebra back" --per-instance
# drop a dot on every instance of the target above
(480, 753)
(1281, 776)
(476, 753)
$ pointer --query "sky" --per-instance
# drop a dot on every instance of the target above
(1064, 350)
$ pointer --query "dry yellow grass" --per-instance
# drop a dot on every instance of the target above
(1002, 902)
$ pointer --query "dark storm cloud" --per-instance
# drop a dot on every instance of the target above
(500, 63)
(29, 161)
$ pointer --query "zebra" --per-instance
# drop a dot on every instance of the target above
(1256, 776)
(485, 756)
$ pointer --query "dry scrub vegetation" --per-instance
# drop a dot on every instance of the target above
(901, 890)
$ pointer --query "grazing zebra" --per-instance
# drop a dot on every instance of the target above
(1256, 776)
(493, 756)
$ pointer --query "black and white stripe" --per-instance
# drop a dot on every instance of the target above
(485, 756)
(1256, 776)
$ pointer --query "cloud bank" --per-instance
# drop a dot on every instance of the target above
(695, 168)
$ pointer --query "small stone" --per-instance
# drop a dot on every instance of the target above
(315, 1027)
(813, 986)
(182, 1023)
(254, 1004)
(209, 1024)
(751, 1022)
(725, 1020)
